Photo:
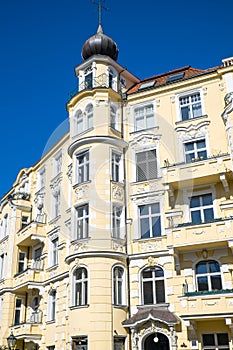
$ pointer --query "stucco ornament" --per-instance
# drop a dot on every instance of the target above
(228, 98)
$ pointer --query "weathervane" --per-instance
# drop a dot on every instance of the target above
(100, 8)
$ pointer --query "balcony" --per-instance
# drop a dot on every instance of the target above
(198, 172)
(31, 328)
(31, 276)
(197, 304)
(217, 233)
(102, 81)
(34, 231)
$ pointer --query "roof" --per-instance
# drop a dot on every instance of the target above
(155, 313)
(163, 79)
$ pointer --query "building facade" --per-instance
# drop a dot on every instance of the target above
(121, 235)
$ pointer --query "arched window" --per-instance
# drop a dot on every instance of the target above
(118, 285)
(208, 276)
(153, 289)
(89, 116)
(80, 286)
(79, 122)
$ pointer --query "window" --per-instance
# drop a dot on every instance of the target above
(57, 164)
(56, 203)
(41, 178)
(113, 117)
(79, 122)
(88, 78)
(89, 116)
(2, 265)
(83, 166)
(208, 276)
(54, 251)
(21, 262)
(150, 221)
(52, 305)
(116, 221)
(80, 343)
(18, 311)
(4, 226)
(153, 290)
(201, 208)
(118, 285)
(80, 286)
(195, 150)
(25, 221)
(190, 106)
(116, 166)
(37, 262)
(119, 343)
(82, 221)
(144, 117)
(215, 341)
(146, 165)
(52, 347)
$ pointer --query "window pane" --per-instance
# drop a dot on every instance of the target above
(147, 293)
(189, 146)
(197, 110)
(222, 339)
(144, 210)
(155, 208)
(147, 273)
(145, 228)
(160, 292)
(202, 283)
(196, 216)
(195, 202)
(202, 154)
(159, 272)
(207, 199)
(208, 214)
(208, 339)
(214, 266)
(216, 283)
(156, 226)
(201, 268)
(185, 112)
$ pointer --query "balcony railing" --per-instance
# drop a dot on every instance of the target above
(208, 292)
(185, 224)
(36, 317)
(102, 81)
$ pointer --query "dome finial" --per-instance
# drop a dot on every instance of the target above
(100, 8)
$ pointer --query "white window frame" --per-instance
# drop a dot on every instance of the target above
(84, 282)
(89, 116)
(54, 243)
(112, 82)
(189, 93)
(117, 221)
(57, 164)
(195, 150)
(21, 261)
(2, 265)
(147, 178)
(83, 220)
(82, 170)
(150, 216)
(145, 117)
(52, 301)
(202, 207)
(118, 300)
(117, 166)
(197, 191)
(41, 178)
(215, 346)
(4, 228)
(152, 279)
(37, 261)
(18, 310)
(209, 274)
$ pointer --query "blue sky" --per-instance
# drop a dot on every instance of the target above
(41, 42)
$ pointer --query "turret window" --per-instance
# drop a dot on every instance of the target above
(82, 174)
(80, 286)
(83, 119)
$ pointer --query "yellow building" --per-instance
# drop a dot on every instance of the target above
(121, 236)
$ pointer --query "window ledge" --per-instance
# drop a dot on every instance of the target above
(146, 181)
(191, 119)
(53, 267)
(140, 239)
(74, 307)
(83, 132)
(50, 322)
(54, 219)
(78, 240)
(120, 306)
(143, 130)
(81, 183)
(162, 306)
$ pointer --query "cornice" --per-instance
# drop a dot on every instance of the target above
(113, 141)
(94, 254)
